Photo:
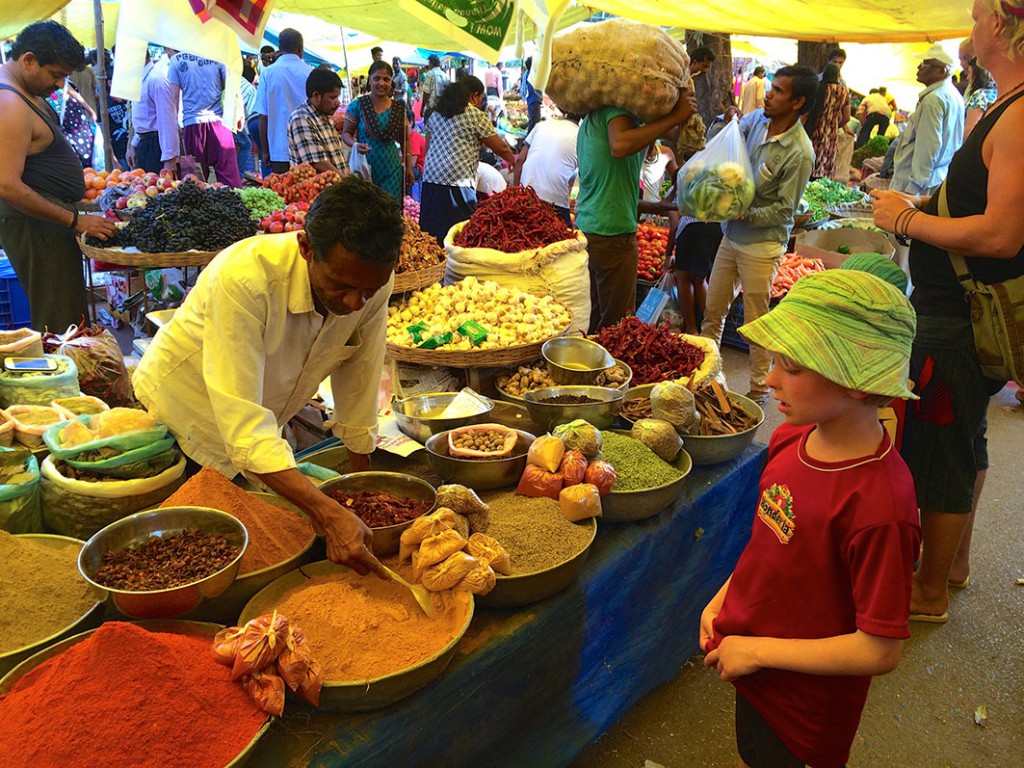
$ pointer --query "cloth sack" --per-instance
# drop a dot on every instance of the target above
(558, 270)
(997, 317)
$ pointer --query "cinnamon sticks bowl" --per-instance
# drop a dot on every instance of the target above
(716, 448)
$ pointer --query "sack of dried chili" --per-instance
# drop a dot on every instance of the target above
(261, 643)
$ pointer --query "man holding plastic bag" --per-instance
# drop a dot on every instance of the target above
(266, 323)
(781, 158)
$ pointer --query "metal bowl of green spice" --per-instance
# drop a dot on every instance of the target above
(645, 484)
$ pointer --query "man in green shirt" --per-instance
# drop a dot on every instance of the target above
(611, 148)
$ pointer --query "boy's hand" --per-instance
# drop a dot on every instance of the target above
(734, 657)
(707, 628)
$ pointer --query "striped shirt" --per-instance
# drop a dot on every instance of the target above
(312, 138)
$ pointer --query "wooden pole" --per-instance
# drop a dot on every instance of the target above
(348, 75)
(101, 82)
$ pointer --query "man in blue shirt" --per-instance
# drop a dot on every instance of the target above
(201, 84)
(935, 130)
(281, 90)
(782, 158)
(531, 96)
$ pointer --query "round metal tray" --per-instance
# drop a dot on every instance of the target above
(88, 620)
(360, 695)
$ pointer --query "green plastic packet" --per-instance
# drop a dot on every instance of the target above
(473, 331)
(436, 341)
(417, 331)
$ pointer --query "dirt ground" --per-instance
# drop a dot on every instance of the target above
(923, 714)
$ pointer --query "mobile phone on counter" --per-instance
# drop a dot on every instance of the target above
(30, 364)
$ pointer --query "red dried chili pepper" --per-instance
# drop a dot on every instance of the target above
(653, 352)
(513, 220)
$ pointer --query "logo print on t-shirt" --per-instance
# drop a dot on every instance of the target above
(776, 511)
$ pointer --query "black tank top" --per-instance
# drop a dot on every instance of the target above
(56, 171)
(937, 292)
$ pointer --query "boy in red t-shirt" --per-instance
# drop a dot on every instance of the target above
(820, 598)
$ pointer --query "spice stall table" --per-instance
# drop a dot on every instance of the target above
(535, 685)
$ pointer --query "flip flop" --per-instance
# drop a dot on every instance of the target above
(930, 618)
(960, 584)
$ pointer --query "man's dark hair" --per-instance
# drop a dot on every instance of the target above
(321, 81)
(376, 49)
(360, 216)
(290, 41)
(882, 91)
(50, 43)
(836, 53)
(248, 72)
(759, 71)
(703, 54)
(805, 84)
(455, 98)
(266, 49)
(434, 60)
(873, 90)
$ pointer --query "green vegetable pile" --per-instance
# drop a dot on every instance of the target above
(822, 193)
(260, 202)
(720, 192)
(876, 146)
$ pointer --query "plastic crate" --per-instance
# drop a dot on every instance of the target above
(14, 310)
(731, 335)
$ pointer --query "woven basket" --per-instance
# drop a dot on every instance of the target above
(470, 358)
(419, 278)
(125, 258)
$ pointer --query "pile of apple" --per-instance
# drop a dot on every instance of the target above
(652, 242)
(291, 219)
(411, 208)
(301, 183)
(136, 187)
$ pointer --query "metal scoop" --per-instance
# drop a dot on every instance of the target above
(422, 594)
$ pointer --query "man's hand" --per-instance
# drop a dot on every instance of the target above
(734, 657)
(131, 156)
(684, 108)
(348, 542)
(887, 206)
(265, 157)
(362, 148)
(95, 226)
(171, 165)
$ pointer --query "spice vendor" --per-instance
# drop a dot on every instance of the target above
(268, 320)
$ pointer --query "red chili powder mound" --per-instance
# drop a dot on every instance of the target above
(275, 533)
(128, 698)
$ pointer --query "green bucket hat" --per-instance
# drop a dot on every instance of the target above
(853, 328)
(880, 266)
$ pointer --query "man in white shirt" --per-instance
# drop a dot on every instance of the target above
(548, 162)
(281, 90)
(268, 320)
(156, 141)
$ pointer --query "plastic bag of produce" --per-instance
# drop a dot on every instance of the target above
(489, 550)
(660, 436)
(79, 508)
(717, 184)
(538, 482)
(118, 430)
(39, 387)
(449, 572)
(261, 643)
(580, 502)
(674, 403)
(580, 435)
(20, 511)
(464, 501)
(638, 67)
(558, 270)
(546, 452)
(100, 362)
(573, 468)
(601, 474)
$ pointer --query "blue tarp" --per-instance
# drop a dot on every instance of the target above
(533, 686)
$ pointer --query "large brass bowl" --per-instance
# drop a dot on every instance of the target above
(385, 538)
(714, 449)
(91, 618)
(573, 360)
(630, 506)
(419, 416)
(360, 695)
(526, 588)
(479, 474)
(550, 415)
(137, 529)
(194, 628)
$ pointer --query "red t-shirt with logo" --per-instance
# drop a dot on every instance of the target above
(832, 551)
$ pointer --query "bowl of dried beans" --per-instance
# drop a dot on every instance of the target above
(387, 502)
(165, 562)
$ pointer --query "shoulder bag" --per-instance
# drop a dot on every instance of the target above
(997, 316)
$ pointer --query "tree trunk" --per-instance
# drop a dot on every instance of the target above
(813, 55)
(720, 73)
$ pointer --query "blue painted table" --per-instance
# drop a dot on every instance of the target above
(533, 686)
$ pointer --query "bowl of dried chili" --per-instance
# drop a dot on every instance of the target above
(387, 502)
(165, 562)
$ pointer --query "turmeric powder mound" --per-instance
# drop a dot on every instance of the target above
(275, 533)
(360, 628)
